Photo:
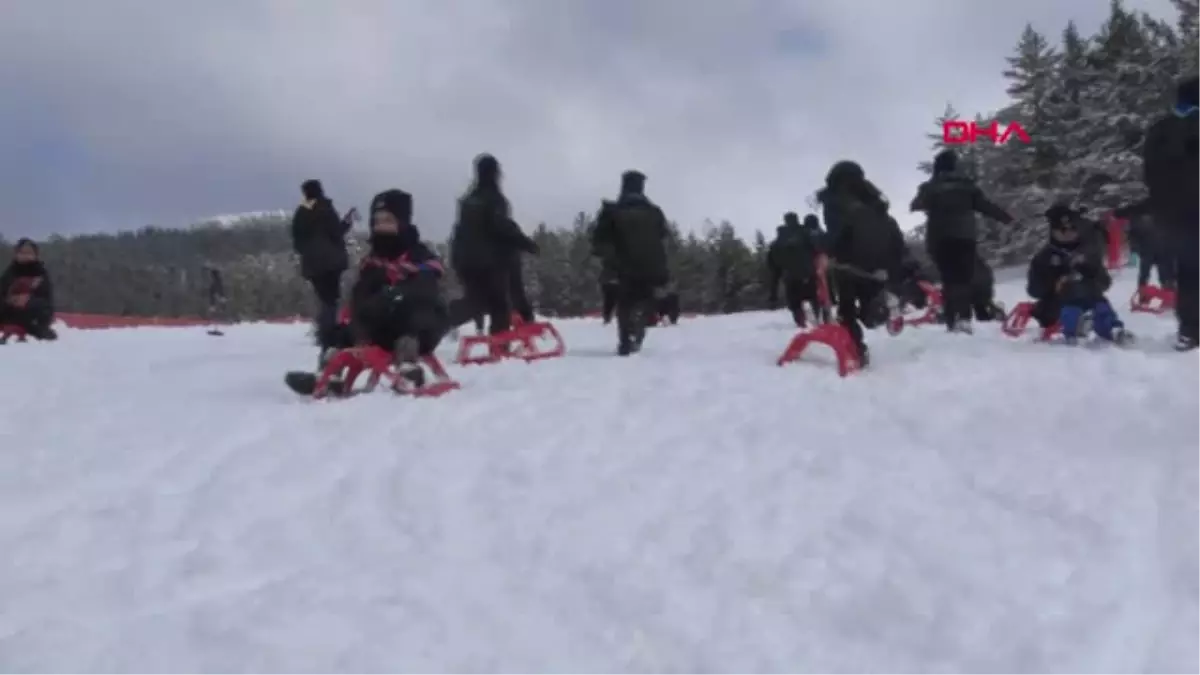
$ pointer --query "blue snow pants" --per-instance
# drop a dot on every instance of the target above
(1104, 319)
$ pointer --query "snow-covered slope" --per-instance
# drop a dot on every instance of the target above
(973, 504)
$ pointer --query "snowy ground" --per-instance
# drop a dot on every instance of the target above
(973, 504)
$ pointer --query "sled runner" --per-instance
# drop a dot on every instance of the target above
(1152, 300)
(8, 332)
(527, 341)
(1018, 319)
(833, 335)
(933, 306)
(338, 376)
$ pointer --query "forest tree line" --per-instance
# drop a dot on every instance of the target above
(1085, 102)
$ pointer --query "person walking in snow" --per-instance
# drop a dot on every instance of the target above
(319, 239)
(792, 259)
(950, 199)
(1172, 177)
(484, 250)
(630, 238)
(866, 249)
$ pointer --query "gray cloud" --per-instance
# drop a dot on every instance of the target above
(127, 112)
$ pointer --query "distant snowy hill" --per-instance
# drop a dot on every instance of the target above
(240, 219)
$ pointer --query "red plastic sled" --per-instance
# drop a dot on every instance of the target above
(1152, 300)
(833, 335)
(1018, 319)
(933, 307)
(348, 364)
(521, 342)
(8, 332)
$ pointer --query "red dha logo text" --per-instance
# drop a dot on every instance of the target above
(956, 132)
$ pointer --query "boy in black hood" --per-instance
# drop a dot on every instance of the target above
(867, 247)
(792, 259)
(1067, 279)
(26, 294)
(950, 200)
(395, 302)
(630, 238)
(484, 247)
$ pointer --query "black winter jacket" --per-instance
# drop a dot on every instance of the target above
(630, 238)
(1084, 277)
(30, 281)
(792, 256)
(862, 233)
(950, 201)
(319, 238)
(485, 237)
(1169, 163)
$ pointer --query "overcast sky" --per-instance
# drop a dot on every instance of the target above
(116, 114)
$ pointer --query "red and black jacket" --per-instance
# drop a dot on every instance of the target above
(31, 282)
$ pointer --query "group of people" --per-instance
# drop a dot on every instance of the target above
(860, 255)
(396, 302)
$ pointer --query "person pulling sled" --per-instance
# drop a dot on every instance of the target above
(792, 260)
(26, 294)
(867, 249)
(1068, 280)
(485, 249)
(395, 302)
(630, 238)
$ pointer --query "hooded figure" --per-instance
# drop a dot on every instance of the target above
(863, 240)
(1068, 281)
(792, 259)
(1171, 174)
(319, 239)
(630, 238)
(484, 247)
(26, 294)
(395, 302)
(950, 199)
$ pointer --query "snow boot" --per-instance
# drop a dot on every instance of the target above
(406, 358)
(1184, 343)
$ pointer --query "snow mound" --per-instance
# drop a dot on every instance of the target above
(972, 504)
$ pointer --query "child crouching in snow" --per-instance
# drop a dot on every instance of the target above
(1068, 280)
(395, 302)
(26, 296)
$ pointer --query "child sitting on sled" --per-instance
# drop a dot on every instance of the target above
(26, 296)
(1068, 279)
(395, 302)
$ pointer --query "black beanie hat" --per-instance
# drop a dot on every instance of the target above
(312, 189)
(945, 161)
(26, 241)
(791, 218)
(811, 221)
(487, 168)
(633, 182)
(1059, 212)
(396, 202)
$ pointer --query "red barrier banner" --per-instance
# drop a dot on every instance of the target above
(81, 321)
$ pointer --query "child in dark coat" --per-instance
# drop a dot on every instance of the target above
(395, 302)
(26, 294)
(1068, 280)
